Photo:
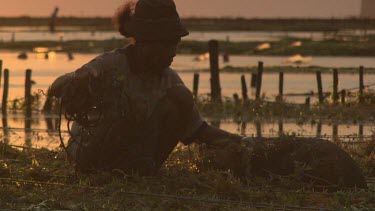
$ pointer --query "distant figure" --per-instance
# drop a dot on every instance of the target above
(46, 55)
(53, 20)
(22, 55)
(225, 57)
(70, 56)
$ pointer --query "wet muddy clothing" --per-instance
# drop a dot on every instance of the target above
(134, 116)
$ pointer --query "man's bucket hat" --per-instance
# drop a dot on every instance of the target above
(155, 20)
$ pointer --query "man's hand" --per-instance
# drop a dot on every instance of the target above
(79, 77)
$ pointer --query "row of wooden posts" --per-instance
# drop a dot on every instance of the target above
(28, 96)
(256, 81)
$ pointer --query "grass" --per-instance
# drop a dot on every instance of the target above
(37, 179)
(43, 179)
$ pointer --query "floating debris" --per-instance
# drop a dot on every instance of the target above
(202, 57)
(298, 59)
(296, 44)
(22, 55)
(263, 46)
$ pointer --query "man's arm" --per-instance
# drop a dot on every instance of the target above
(215, 137)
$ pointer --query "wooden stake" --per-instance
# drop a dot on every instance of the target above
(281, 86)
(361, 85)
(320, 86)
(195, 85)
(253, 80)
(5, 93)
(28, 97)
(1, 70)
(244, 88)
(214, 68)
(335, 92)
(259, 80)
(343, 96)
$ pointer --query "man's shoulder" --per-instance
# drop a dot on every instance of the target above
(172, 76)
(116, 54)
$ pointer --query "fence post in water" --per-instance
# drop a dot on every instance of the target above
(360, 131)
(343, 96)
(335, 92)
(253, 80)
(319, 129)
(5, 93)
(258, 128)
(361, 84)
(307, 102)
(335, 131)
(236, 100)
(214, 68)
(1, 70)
(28, 93)
(281, 87)
(259, 80)
(5, 130)
(244, 89)
(281, 128)
(195, 85)
(320, 86)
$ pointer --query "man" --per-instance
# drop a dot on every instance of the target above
(129, 108)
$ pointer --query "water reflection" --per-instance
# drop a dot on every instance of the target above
(5, 130)
(41, 130)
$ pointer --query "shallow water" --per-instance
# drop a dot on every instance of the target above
(45, 71)
(41, 135)
(8, 34)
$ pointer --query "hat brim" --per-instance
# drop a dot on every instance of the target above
(155, 30)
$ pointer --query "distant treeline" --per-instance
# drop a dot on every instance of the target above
(207, 24)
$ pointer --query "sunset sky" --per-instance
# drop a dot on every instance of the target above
(188, 8)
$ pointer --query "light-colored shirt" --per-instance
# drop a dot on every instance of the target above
(132, 95)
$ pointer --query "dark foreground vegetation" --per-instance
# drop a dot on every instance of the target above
(194, 177)
(209, 24)
(285, 173)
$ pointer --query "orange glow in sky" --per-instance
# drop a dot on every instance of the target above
(188, 8)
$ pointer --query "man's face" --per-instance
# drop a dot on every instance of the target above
(158, 54)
